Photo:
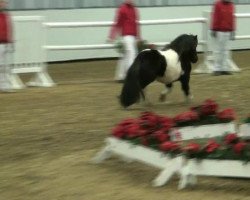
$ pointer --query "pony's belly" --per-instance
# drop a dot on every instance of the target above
(172, 74)
(173, 69)
(168, 78)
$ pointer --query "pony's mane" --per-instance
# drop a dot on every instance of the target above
(181, 44)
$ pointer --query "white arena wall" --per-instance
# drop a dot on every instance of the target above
(98, 35)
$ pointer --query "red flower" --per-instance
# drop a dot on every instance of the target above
(118, 132)
(209, 107)
(166, 123)
(192, 148)
(161, 136)
(169, 146)
(231, 138)
(186, 116)
(142, 132)
(239, 147)
(149, 119)
(211, 146)
(227, 115)
(133, 130)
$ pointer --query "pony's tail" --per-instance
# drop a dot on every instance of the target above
(131, 89)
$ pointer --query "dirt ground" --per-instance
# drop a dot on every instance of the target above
(49, 135)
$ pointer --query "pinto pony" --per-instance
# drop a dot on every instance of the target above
(171, 64)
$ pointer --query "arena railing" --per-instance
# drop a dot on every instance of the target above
(205, 67)
(107, 24)
(38, 63)
(27, 54)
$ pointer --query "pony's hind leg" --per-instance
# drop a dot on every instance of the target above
(165, 92)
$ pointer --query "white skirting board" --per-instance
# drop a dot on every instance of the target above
(207, 167)
(244, 130)
(206, 131)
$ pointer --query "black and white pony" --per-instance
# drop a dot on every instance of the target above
(171, 64)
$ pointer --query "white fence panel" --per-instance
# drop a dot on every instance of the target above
(29, 55)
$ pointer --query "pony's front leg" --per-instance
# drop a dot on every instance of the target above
(165, 92)
(185, 87)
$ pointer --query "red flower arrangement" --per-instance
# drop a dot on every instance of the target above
(206, 113)
(226, 115)
(229, 147)
(239, 147)
(209, 107)
(149, 129)
(192, 148)
(189, 116)
(211, 146)
(170, 147)
(231, 138)
(153, 131)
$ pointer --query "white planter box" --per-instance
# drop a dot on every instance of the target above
(187, 168)
(207, 167)
(129, 152)
(244, 130)
(229, 168)
(205, 131)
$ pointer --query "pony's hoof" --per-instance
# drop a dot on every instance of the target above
(162, 98)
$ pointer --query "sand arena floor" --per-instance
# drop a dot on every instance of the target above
(49, 135)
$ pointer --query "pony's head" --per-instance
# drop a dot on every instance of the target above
(185, 45)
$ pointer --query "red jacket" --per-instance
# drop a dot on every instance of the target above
(5, 28)
(223, 18)
(126, 21)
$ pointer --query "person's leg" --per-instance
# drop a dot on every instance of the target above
(2, 68)
(120, 69)
(218, 52)
(225, 38)
(130, 51)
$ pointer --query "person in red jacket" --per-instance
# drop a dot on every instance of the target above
(126, 25)
(5, 41)
(222, 30)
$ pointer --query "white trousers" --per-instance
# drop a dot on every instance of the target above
(129, 43)
(221, 51)
(4, 81)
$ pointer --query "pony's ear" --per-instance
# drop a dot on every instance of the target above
(195, 37)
